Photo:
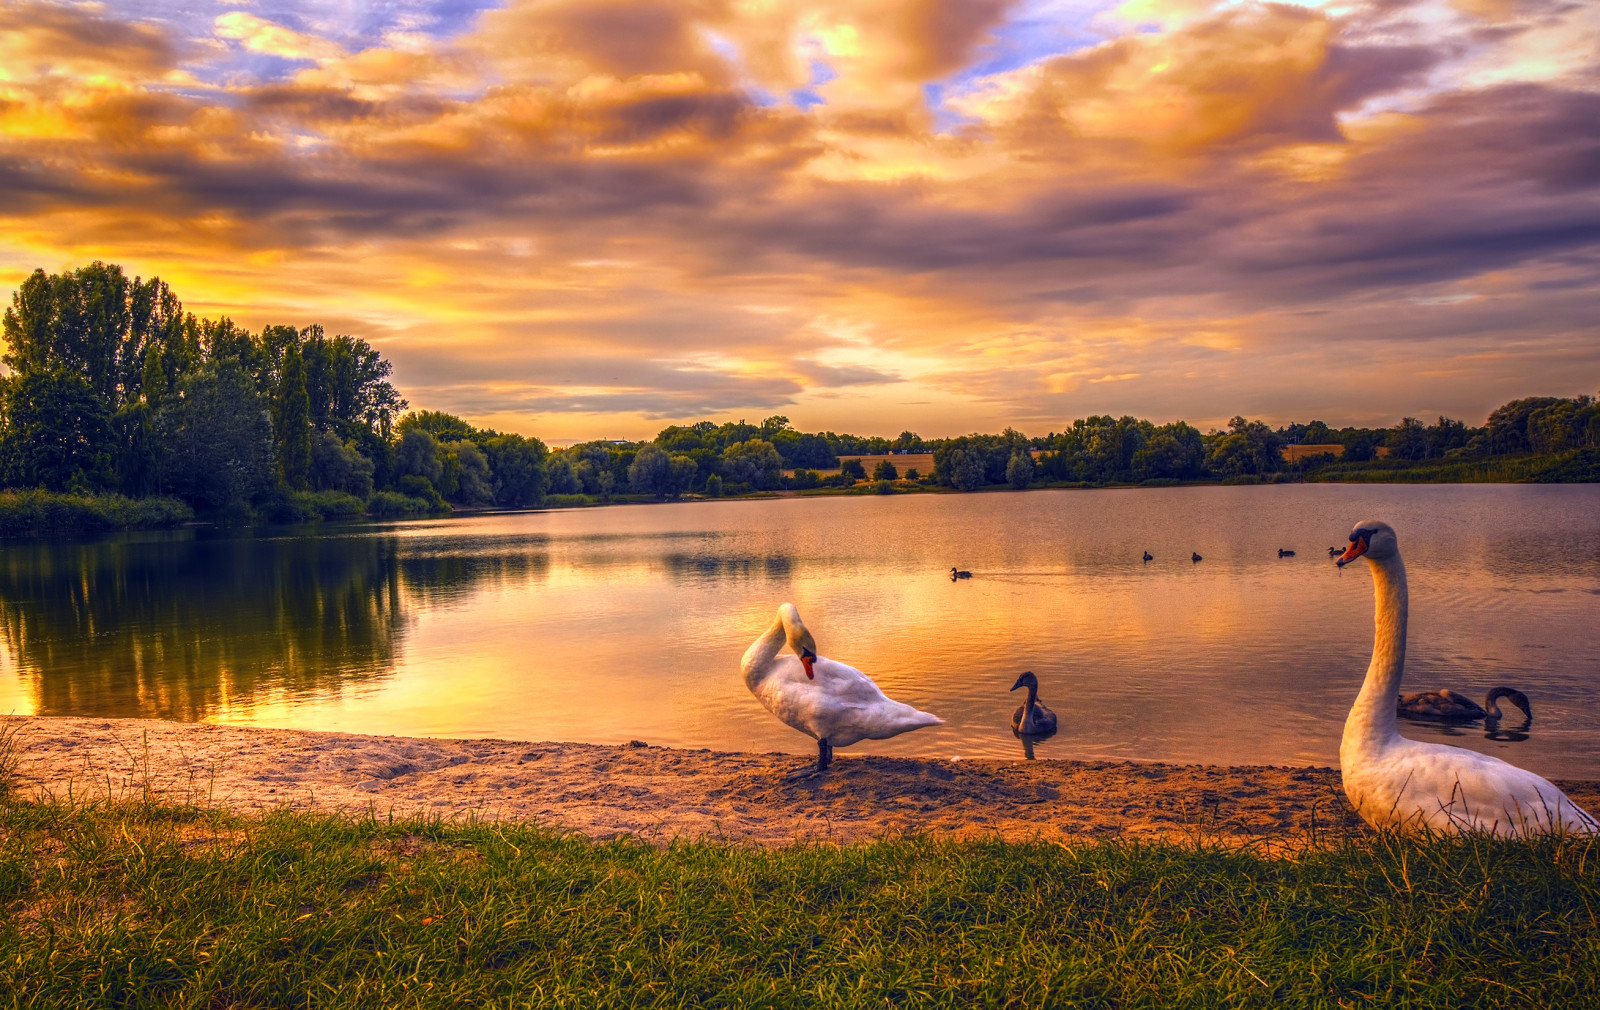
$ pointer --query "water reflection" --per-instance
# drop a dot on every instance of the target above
(1029, 739)
(184, 626)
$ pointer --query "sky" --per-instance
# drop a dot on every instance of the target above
(593, 218)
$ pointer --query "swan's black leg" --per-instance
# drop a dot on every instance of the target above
(824, 758)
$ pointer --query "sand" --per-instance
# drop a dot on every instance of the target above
(661, 794)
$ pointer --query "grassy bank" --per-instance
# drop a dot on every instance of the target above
(142, 904)
(1580, 466)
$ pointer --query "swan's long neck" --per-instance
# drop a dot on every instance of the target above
(1372, 719)
(758, 658)
(1033, 695)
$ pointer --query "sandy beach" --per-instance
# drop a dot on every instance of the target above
(661, 794)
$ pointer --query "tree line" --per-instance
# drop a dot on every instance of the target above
(114, 387)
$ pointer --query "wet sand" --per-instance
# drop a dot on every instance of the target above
(661, 794)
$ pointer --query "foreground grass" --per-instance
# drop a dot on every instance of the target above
(149, 905)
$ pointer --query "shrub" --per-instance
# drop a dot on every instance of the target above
(38, 511)
(713, 486)
(567, 500)
(393, 503)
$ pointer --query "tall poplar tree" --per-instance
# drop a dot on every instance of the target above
(292, 420)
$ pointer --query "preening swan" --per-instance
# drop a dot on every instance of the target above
(1447, 706)
(836, 704)
(1406, 784)
(1032, 718)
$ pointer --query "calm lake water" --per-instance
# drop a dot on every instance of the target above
(606, 625)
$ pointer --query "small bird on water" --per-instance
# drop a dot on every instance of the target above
(1196, 558)
(1148, 556)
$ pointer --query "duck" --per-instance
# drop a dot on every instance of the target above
(1408, 785)
(1148, 556)
(1195, 557)
(1447, 706)
(835, 704)
(1282, 553)
(1333, 552)
(957, 573)
(1031, 717)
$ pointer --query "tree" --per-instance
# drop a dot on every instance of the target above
(218, 437)
(292, 421)
(1019, 469)
(1173, 451)
(755, 462)
(336, 466)
(517, 464)
(966, 469)
(559, 475)
(58, 434)
(418, 454)
(655, 472)
(1248, 447)
(853, 469)
(443, 427)
(885, 471)
(474, 483)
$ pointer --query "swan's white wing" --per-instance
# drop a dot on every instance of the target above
(841, 703)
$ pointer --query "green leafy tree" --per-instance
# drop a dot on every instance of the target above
(58, 433)
(966, 469)
(853, 469)
(518, 467)
(474, 484)
(755, 462)
(1019, 469)
(336, 466)
(218, 437)
(292, 420)
(418, 454)
(885, 471)
(713, 486)
(559, 475)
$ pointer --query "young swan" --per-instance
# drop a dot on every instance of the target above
(1406, 784)
(1031, 716)
(835, 704)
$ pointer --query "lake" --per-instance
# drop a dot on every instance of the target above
(611, 624)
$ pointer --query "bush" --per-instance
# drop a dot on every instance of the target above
(416, 486)
(883, 487)
(713, 486)
(804, 480)
(393, 503)
(885, 471)
(37, 511)
(853, 469)
(562, 501)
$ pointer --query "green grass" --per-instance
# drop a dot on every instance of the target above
(141, 904)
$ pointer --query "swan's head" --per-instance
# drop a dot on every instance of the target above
(1373, 539)
(799, 637)
(1026, 680)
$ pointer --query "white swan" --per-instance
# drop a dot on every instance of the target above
(1395, 782)
(834, 703)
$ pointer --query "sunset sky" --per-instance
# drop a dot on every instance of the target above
(595, 218)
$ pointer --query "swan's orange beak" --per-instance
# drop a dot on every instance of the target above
(807, 657)
(1358, 547)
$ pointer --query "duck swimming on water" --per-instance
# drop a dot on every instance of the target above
(1148, 556)
(1447, 706)
(1032, 718)
(1195, 557)
(956, 573)
(1282, 553)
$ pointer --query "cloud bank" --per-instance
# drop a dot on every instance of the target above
(568, 217)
